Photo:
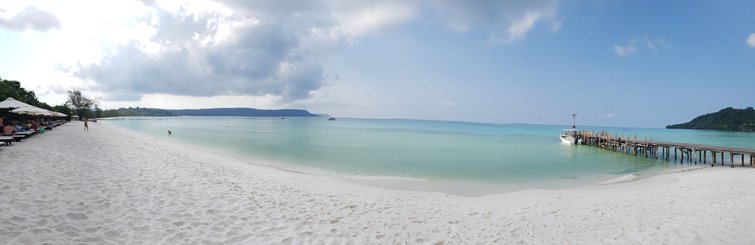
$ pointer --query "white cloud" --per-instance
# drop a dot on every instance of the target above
(518, 30)
(355, 19)
(448, 103)
(625, 51)
(751, 40)
(652, 44)
(212, 48)
(507, 21)
(657, 44)
(30, 18)
(201, 48)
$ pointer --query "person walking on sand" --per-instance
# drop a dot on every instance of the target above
(86, 124)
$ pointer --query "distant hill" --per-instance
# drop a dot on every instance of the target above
(244, 112)
(728, 119)
(136, 112)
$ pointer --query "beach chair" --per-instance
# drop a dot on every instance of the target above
(18, 137)
(7, 140)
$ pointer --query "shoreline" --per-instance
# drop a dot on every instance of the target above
(67, 186)
(456, 187)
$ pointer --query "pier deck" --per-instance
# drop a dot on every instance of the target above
(691, 153)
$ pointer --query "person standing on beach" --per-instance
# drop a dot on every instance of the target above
(86, 124)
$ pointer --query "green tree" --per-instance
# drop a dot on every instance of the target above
(13, 89)
(80, 104)
(63, 109)
(729, 119)
(97, 111)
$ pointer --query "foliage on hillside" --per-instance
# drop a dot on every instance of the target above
(136, 112)
(728, 119)
(10, 88)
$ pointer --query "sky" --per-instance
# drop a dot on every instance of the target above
(613, 62)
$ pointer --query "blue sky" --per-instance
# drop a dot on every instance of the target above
(615, 63)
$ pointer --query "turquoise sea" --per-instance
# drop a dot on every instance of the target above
(518, 155)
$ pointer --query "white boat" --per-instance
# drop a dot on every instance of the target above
(567, 136)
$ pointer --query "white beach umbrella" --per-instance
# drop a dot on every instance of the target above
(12, 103)
(57, 114)
(49, 113)
(30, 110)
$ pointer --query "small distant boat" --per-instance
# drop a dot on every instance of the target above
(332, 119)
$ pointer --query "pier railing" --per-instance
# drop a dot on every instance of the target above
(691, 153)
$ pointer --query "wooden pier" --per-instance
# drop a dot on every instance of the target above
(669, 151)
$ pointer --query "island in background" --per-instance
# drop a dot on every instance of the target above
(728, 119)
(244, 112)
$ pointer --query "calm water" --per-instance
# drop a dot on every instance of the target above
(428, 150)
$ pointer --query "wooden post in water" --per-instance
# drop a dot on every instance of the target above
(657, 151)
(652, 151)
(674, 154)
(699, 156)
(713, 154)
(731, 157)
(722, 159)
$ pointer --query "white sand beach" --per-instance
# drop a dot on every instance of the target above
(111, 186)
